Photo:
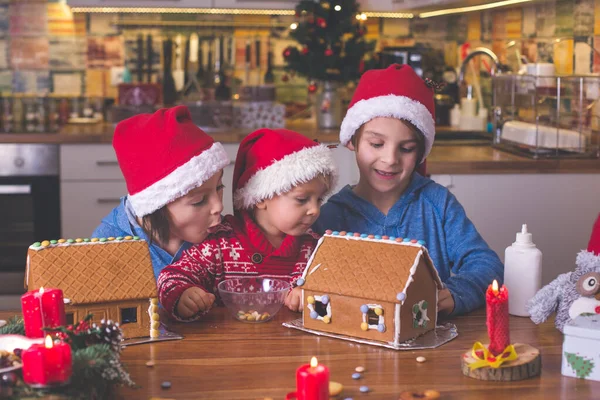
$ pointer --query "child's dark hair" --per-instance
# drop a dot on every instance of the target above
(419, 137)
(157, 226)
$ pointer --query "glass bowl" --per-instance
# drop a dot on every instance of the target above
(253, 299)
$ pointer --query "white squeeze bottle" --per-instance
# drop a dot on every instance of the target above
(522, 272)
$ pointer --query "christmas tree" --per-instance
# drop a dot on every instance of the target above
(582, 366)
(331, 37)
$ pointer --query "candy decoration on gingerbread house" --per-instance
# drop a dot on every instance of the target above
(376, 288)
(111, 278)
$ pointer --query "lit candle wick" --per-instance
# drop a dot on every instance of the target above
(313, 362)
(495, 287)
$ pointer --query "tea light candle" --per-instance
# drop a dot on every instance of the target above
(42, 308)
(497, 318)
(48, 364)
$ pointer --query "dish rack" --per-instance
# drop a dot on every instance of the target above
(547, 116)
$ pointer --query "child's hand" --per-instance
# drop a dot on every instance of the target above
(194, 300)
(445, 302)
(292, 301)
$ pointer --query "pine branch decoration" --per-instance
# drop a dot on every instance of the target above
(14, 326)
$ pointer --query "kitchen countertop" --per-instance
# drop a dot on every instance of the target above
(447, 157)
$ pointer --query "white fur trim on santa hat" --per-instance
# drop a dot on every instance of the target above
(281, 176)
(587, 259)
(400, 107)
(179, 182)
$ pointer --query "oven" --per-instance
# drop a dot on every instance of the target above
(29, 207)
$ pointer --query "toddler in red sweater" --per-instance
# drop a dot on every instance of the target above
(279, 183)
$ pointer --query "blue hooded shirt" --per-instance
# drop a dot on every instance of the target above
(425, 211)
(122, 222)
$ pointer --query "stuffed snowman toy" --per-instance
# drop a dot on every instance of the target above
(574, 293)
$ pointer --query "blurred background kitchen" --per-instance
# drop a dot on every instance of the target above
(517, 111)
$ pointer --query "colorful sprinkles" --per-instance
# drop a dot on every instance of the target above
(375, 237)
(47, 243)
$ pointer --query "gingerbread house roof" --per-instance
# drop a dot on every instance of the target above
(93, 270)
(366, 266)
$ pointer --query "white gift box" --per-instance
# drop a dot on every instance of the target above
(581, 348)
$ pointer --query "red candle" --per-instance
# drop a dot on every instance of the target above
(47, 364)
(42, 308)
(497, 318)
(312, 382)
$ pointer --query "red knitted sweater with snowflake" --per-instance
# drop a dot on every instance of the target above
(238, 248)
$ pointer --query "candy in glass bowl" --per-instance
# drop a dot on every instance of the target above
(253, 299)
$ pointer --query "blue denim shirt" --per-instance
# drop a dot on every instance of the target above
(122, 222)
(427, 211)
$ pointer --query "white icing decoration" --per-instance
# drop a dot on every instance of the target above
(314, 269)
(312, 256)
(381, 317)
(397, 324)
(311, 308)
(150, 313)
(424, 317)
(583, 305)
(38, 248)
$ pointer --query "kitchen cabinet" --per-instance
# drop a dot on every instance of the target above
(142, 3)
(559, 210)
(91, 185)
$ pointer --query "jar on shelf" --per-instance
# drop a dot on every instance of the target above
(52, 115)
(18, 113)
(7, 114)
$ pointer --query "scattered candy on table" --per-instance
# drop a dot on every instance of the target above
(150, 364)
(252, 316)
(360, 369)
(356, 375)
(364, 389)
(421, 359)
(165, 385)
(335, 388)
(427, 394)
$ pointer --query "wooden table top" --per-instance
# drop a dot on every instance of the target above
(221, 358)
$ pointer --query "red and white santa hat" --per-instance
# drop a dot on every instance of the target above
(270, 162)
(163, 156)
(396, 92)
(594, 244)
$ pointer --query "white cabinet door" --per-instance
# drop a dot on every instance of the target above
(141, 3)
(89, 162)
(347, 168)
(84, 204)
(559, 210)
(231, 150)
(257, 4)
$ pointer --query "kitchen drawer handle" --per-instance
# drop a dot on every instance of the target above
(15, 189)
(102, 163)
(109, 201)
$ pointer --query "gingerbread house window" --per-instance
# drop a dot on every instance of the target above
(320, 308)
(372, 317)
(69, 318)
(128, 315)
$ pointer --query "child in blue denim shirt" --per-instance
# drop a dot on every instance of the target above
(390, 127)
(173, 172)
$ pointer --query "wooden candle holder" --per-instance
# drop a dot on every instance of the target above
(527, 365)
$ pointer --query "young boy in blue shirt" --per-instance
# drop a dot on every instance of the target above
(390, 127)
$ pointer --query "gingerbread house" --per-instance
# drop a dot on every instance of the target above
(372, 288)
(111, 278)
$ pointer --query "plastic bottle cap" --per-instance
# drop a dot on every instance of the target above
(524, 238)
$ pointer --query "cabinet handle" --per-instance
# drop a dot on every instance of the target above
(15, 189)
(102, 163)
(109, 201)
